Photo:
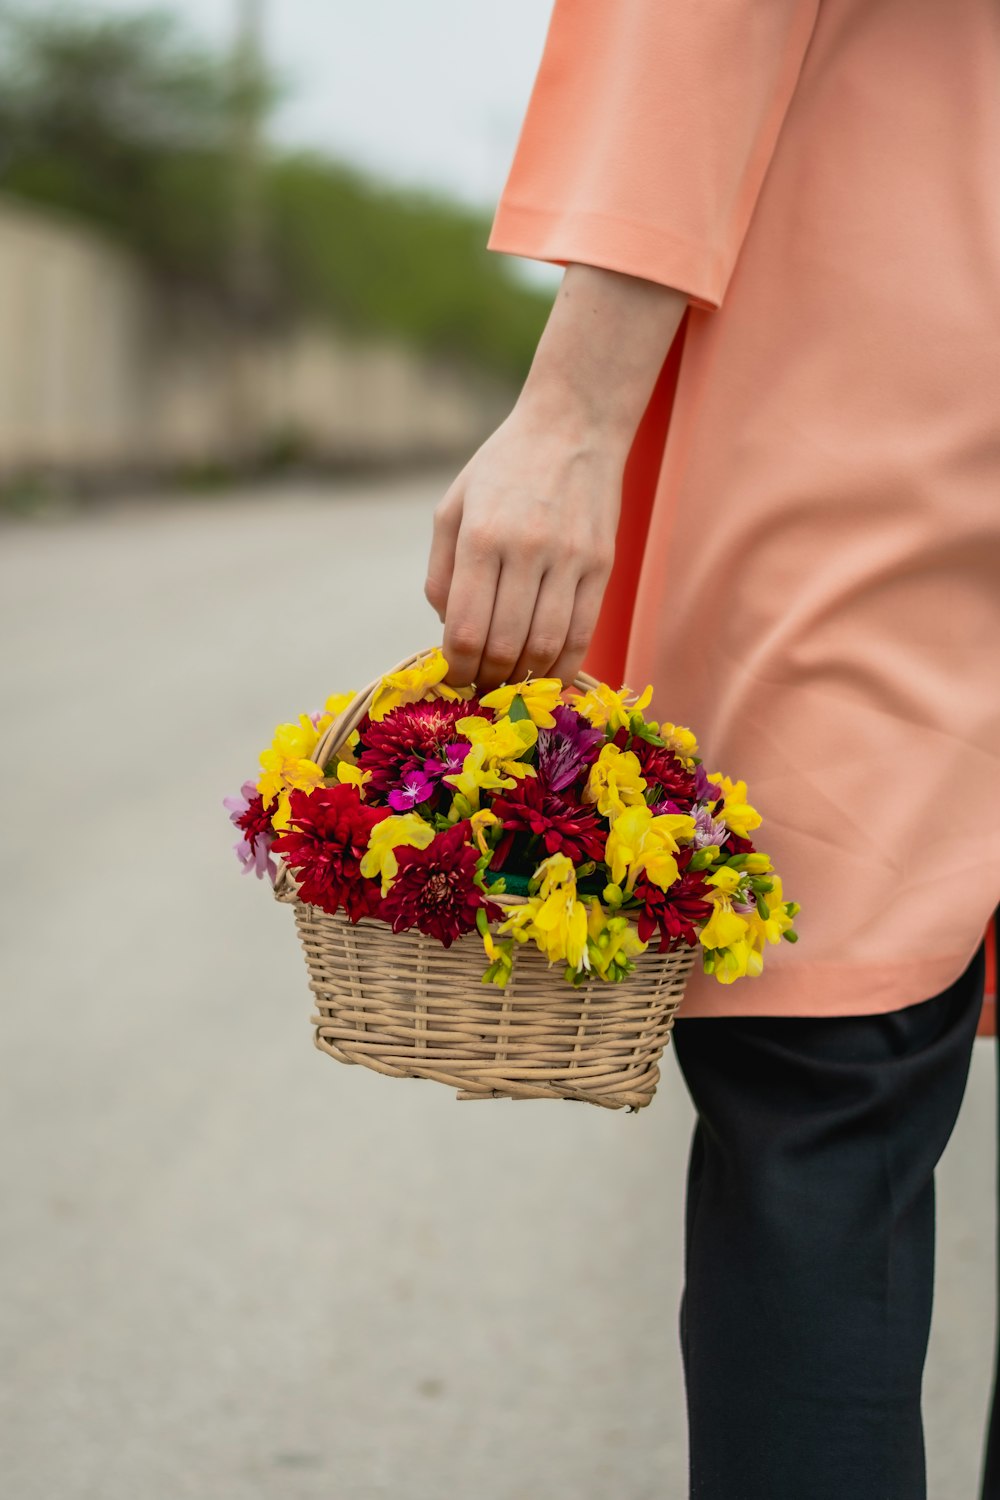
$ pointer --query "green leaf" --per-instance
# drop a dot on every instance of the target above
(518, 709)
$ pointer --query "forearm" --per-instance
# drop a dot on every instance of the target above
(602, 348)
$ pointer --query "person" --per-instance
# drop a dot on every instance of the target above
(756, 463)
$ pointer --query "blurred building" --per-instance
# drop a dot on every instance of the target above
(102, 368)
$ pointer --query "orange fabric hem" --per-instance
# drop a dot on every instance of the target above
(597, 239)
(845, 989)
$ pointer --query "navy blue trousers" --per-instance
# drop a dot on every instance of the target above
(809, 1259)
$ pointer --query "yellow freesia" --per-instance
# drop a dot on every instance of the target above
(735, 812)
(480, 821)
(286, 765)
(612, 942)
(413, 683)
(725, 879)
(386, 837)
(602, 705)
(724, 927)
(504, 741)
(539, 695)
(553, 918)
(615, 781)
(519, 920)
(475, 776)
(332, 709)
(739, 961)
(771, 928)
(640, 841)
(681, 741)
(560, 925)
(352, 775)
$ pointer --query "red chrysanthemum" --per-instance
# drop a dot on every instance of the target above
(434, 888)
(662, 769)
(256, 821)
(676, 913)
(327, 835)
(529, 807)
(398, 744)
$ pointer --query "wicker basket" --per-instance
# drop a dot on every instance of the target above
(404, 1005)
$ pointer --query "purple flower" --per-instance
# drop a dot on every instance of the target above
(451, 763)
(564, 750)
(248, 813)
(704, 790)
(417, 787)
(708, 830)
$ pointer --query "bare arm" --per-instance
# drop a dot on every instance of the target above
(524, 537)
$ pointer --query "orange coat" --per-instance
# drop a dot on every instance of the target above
(808, 568)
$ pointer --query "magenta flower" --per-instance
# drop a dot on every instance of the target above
(416, 787)
(449, 763)
(248, 813)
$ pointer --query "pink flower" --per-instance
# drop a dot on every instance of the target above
(253, 819)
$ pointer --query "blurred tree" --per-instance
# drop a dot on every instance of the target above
(127, 123)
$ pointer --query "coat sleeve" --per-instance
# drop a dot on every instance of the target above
(648, 131)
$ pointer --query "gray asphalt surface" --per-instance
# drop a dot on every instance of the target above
(232, 1267)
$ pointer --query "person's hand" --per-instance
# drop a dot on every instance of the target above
(522, 548)
(524, 538)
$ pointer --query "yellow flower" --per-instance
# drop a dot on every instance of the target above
(553, 917)
(724, 927)
(725, 879)
(286, 765)
(539, 695)
(385, 838)
(602, 705)
(739, 961)
(615, 781)
(771, 928)
(474, 777)
(681, 741)
(413, 683)
(332, 709)
(612, 943)
(640, 841)
(351, 774)
(504, 741)
(519, 920)
(337, 702)
(736, 812)
(480, 821)
(560, 924)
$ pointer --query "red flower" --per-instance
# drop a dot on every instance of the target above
(530, 807)
(677, 912)
(434, 888)
(661, 768)
(328, 834)
(398, 744)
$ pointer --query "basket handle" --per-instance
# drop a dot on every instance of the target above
(336, 733)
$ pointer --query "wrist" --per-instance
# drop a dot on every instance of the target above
(586, 414)
(600, 353)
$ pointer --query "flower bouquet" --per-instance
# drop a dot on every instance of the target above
(506, 891)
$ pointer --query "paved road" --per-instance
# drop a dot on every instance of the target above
(232, 1267)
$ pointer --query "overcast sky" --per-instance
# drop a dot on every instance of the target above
(431, 92)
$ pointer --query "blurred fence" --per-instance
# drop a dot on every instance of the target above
(102, 369)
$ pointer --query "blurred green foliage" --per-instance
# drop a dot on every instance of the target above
(130, 125)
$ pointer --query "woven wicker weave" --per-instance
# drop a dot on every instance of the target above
(406, 1006)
